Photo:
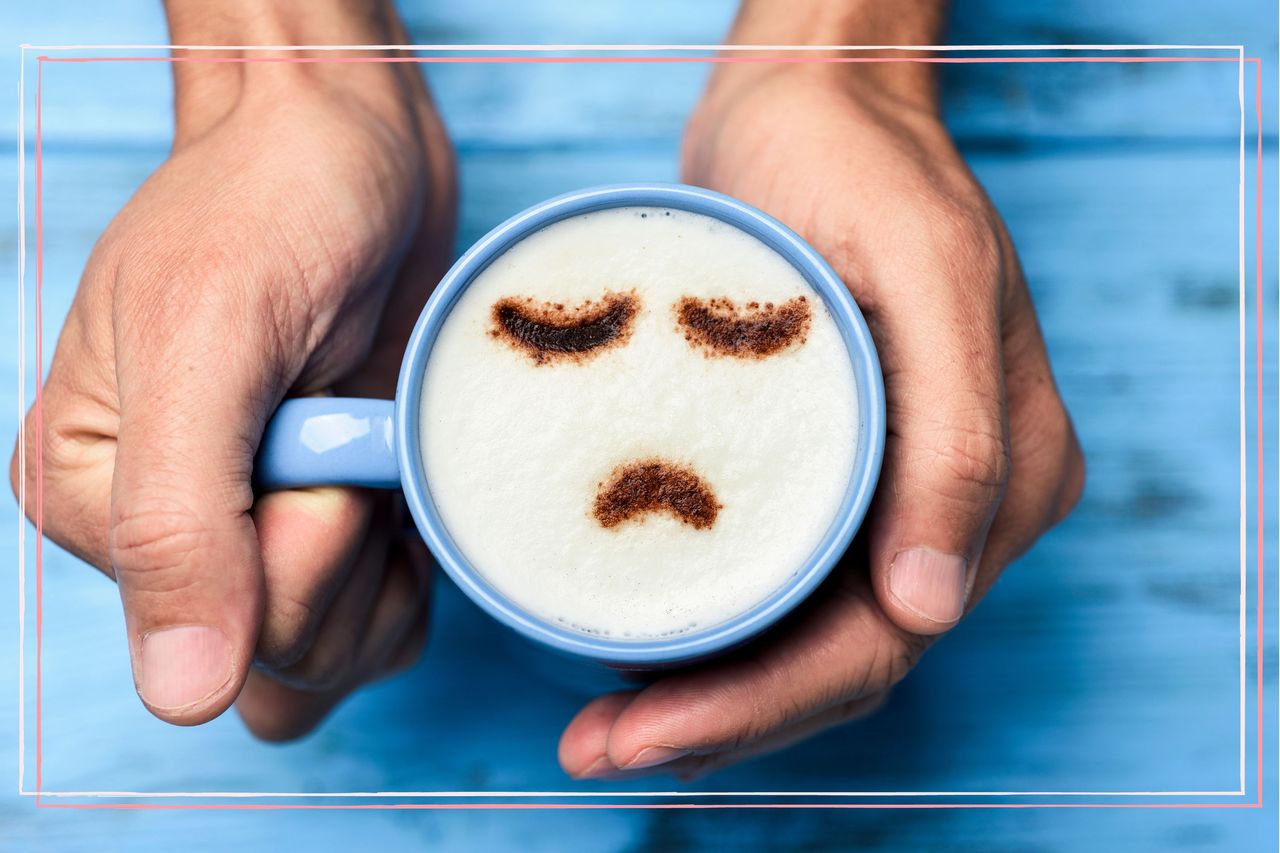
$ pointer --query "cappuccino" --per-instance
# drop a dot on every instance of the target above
(638, 422)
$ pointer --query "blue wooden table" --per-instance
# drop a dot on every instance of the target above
(1105, 666)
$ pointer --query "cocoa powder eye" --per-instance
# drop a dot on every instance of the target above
(552, 331)
(720, 327)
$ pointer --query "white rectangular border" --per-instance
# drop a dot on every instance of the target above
(22, 264)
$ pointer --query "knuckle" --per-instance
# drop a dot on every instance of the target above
(287, 632)
(273, 730)
(407, 659)
(150, 539)
(317, 677)
(958, 236)
(15, 475)
(1060, 456)
(15, 470)
(856, 709)
(403, 585)
(752, 731)
(31, 439)
(72, 469)
(904, 653)
(1073, 480)
(976, 457)
(278, 726)
(896, 653)
(62, 450)
(324, 666)
(884, 653)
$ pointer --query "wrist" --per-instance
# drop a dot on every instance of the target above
(887, 22)
(207, 91)
(851, 22)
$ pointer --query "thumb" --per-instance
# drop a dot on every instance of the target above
(182, 542)
(945, 468)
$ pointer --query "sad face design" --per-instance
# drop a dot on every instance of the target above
(638, 422)
(549, 333)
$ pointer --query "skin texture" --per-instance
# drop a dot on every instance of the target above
(981, 457)
(284, 248)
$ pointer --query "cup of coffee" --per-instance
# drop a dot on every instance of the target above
(637, 424)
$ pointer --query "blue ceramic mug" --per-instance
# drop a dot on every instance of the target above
(375, 443)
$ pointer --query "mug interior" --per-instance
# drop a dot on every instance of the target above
(704, 642)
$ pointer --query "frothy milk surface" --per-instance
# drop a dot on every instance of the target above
(518, 451)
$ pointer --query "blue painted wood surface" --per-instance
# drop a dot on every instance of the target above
(1106, 660)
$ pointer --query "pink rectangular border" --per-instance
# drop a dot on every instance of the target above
(39, 513)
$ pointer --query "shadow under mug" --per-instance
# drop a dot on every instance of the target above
(376, 443)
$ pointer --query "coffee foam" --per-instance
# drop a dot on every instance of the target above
(650, 477)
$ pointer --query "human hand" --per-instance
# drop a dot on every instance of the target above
(980, 458)
(284, 248)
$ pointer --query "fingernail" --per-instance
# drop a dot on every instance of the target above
(652, 756)
(929, 583)
(182, 666)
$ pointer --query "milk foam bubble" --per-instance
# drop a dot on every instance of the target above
(522, 448)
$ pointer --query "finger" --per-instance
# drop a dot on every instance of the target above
(335, 645)
(395, 614)
(276, 711)
(310, 541)
(193, 403)
(410, 649)
(1047, 464)
(697, 766)
(406, 656)
(584, 746)
(843, 649)
(946, 455)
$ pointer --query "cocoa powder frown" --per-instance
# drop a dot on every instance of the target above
(655, 485)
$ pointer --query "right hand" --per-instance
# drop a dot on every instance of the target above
(980, 454)
(285, 248)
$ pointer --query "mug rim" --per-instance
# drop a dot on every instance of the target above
(680, 648)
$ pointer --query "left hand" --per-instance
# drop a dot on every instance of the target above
(981, 457)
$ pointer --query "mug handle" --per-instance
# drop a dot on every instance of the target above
(329, 441)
